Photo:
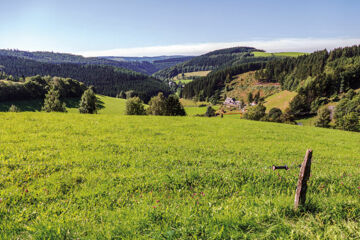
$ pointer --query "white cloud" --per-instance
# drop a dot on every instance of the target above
(278, 45)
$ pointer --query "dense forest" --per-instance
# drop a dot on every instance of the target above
(36, 87)
(107, 80)
(146, 66)
(316, 77)
(211, 84)
(212, 61)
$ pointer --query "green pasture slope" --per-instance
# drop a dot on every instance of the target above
(107, 105)
(279, 100)
(74, 176)
(278, 54)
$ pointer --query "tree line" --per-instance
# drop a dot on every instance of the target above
(210, 61)
(144, 67)
(36, 87)
(107, 80)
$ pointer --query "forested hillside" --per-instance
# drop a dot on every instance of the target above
(107, 80)
(214, 82)
(141, 65)
(212, 61)
(316, 77)
(321, 74)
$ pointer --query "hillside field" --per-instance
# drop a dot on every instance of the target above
(191, 74)
(73, 176)
(245, 83)
(278, 54)
(279, 100)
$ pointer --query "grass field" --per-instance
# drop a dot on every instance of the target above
(280, 100)
(191, 74)
(73, 176)
(278, 54)
(184, 81)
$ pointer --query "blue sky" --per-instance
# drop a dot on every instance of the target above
(155, 27)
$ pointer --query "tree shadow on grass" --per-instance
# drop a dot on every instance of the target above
(72, 102)
(35, 105)
(99, 103)
(24, 105)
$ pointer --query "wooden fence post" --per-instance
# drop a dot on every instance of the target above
(300, 195)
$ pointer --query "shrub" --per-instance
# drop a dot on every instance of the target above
(210, 112)
(351, 122)
(323, 118)
(171, 106)
(88, 102)
(157, 105)
(288, 117)
(275, 115)
(134, 106)
(255, 113)
(14, 108)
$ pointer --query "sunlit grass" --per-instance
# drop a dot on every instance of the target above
(279, 100)
(278, 54)
(145, 177)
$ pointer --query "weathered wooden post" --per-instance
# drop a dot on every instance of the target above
(300, 195)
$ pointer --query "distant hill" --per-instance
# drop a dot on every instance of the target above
(146, 65)
(212, 61)
(148, 59)
(107, 80)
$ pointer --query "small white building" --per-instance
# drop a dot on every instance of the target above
(229, 102)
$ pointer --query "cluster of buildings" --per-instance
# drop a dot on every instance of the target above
(230, 102)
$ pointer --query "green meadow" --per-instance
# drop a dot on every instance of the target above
(279, 100)
(278, 54)
(110, 176)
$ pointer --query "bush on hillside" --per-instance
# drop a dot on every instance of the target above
(210, 112)
(323, 118)
(351, 122)
(14, 108)
(134, 106)
(170, 106)
(255, 112)
(275, 115)
(88, 102)
(157, 105)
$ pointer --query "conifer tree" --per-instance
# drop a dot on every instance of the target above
(88, 102)
(52, 102)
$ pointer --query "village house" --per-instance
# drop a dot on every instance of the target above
(229, 102)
